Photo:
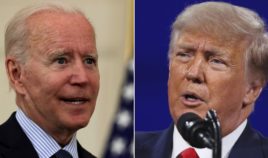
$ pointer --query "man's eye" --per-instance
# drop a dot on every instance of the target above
(61, 61)
(217, 61)
(90, 61)
(184, 56)
(218, 64)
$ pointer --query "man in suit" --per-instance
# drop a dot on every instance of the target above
(218, 59)
(52, 65)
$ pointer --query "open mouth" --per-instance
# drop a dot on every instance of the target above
(192, 97)
(75, 101)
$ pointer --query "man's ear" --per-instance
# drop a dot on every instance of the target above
(252, 92)
(14, 73)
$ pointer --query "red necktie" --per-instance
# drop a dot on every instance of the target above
(188, 153)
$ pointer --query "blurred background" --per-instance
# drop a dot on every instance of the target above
(152, 32)
(110, 131)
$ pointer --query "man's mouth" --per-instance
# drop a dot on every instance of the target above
(76, 101)
(192, 99)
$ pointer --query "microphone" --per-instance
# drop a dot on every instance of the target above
(195, 130)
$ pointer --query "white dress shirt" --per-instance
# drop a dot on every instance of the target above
(179, 144)
(44, 144)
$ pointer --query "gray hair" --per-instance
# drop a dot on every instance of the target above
(17, 32)
(231, 24)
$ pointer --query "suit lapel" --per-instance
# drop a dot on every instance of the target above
(163, 147)
(14, 142)
(248, 145)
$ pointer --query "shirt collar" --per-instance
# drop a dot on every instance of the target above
(43, 143)
(179, 144)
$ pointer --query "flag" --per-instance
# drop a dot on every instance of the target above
(120, 143)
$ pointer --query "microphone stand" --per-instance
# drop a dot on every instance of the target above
(211, 117)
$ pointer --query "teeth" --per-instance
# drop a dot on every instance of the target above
(191, 97)
(75, 101)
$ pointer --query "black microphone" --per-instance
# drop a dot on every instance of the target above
(195, 130)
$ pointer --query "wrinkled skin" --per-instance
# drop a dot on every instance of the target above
(57, 87)
(206, 73)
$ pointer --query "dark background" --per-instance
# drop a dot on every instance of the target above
(153, 19)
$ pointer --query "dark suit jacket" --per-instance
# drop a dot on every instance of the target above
(251, 144)
(15, 144)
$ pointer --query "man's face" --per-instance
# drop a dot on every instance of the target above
(206, 73)
(60, 79)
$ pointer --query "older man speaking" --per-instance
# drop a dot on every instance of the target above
(52, 65)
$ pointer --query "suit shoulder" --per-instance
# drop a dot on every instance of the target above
(149, 140)
(251, 143)
(6, 129)
(83, 153)
(263, 143)
(145, 143)
(147, 137)
(155, 144)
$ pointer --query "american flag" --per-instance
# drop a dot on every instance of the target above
(120, 143)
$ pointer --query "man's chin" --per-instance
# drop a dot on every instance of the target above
(75, 125)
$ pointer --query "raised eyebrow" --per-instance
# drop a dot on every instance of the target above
(215, 51)
(212, 50)
(94, 55)
(186, 46)
(58, 53)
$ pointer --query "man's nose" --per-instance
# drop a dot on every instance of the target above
(195, 72)
(79, 74)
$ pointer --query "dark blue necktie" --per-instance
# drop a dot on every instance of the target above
(62, 154)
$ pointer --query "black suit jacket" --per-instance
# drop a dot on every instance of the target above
(15, 144)
(251, 144)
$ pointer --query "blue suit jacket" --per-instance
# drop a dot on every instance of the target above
(251, 144)
(15, 144)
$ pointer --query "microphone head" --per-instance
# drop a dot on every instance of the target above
(190, 125)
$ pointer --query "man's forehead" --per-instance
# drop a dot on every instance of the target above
(200, 39)
(53, 18)
(196, 41)
(56, 30)
(46, 23)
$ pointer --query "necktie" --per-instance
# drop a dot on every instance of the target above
(188, 153)
(62, 154)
